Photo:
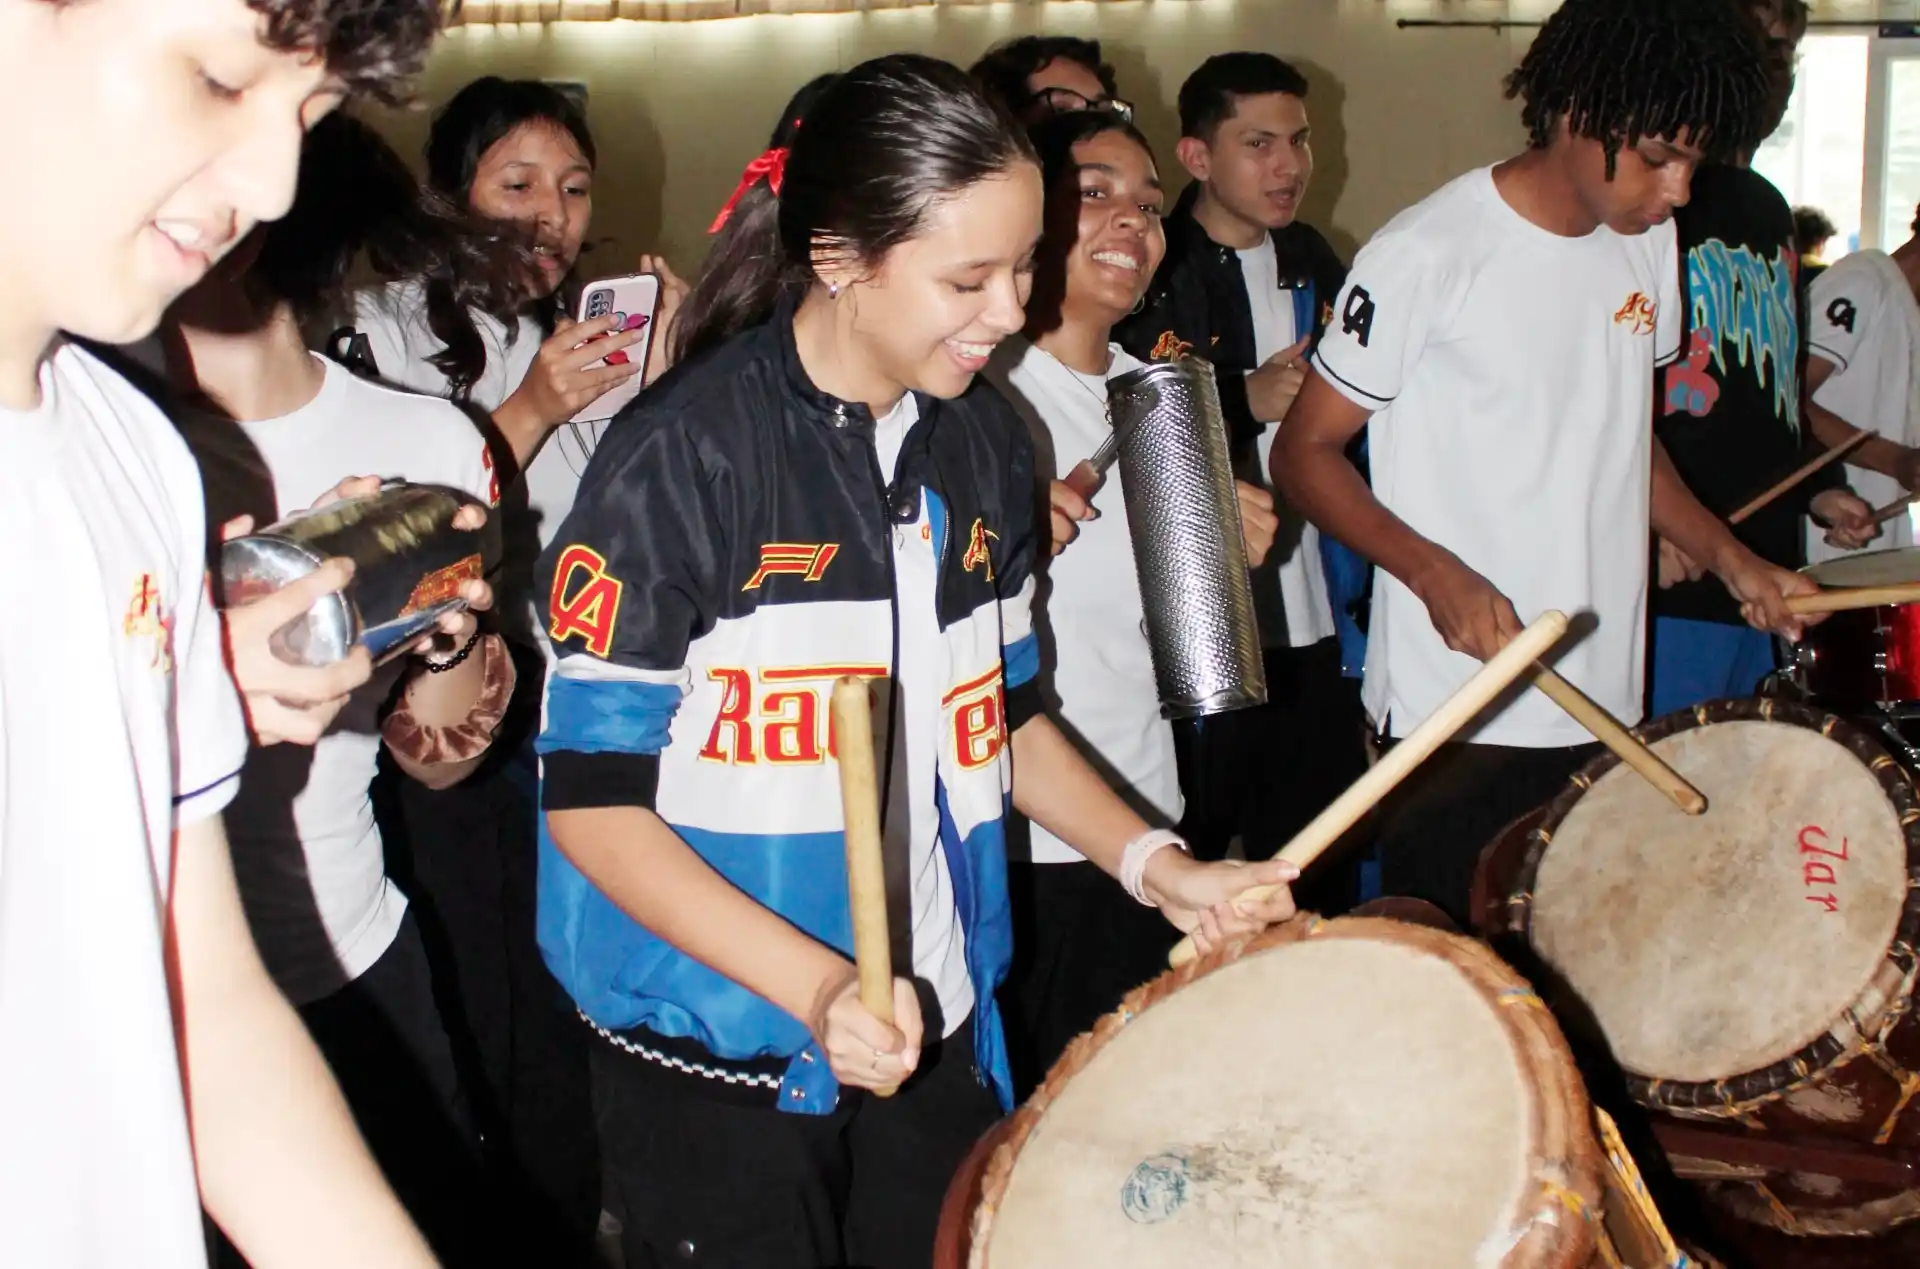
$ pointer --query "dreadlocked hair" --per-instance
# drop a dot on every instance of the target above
(1619, 71)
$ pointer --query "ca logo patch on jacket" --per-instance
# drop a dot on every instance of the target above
(977, 552)
(589, 610)
(1170, 347)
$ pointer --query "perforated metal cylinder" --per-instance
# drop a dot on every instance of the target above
(1192, 560)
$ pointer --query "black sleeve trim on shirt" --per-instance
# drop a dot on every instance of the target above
(574, 781)
(1827, 354)
(1320, 364)
(184, 798)
(1024, 704)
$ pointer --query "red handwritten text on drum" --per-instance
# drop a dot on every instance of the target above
(1817, 873)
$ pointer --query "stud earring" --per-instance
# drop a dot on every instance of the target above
(833, 290)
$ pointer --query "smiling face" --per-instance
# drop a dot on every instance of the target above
(147, 140)
(1650, 179)
(538, 176)
(932, 312)
(1257, 164)
(1118, 238)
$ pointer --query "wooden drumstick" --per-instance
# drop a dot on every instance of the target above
(1400, 761)
(1892, 511)
(1608, 731)
(1855, 597)
(1801, 473)
(866, 872)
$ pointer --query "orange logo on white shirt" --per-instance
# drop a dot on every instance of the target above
(1638, 310)
(147, 618)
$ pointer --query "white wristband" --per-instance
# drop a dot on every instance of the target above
(1133, 860)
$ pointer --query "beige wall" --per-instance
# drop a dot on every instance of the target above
(678, 108)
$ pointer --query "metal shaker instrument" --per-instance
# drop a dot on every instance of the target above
(409, 564)
(1177, 476)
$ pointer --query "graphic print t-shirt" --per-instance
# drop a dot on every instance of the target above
(1729, 409)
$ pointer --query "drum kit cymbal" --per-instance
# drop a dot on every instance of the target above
(1716, 1008)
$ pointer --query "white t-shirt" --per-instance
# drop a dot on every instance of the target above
(393, 317)
(913, 819)
(307, 851)
(1088, 610)
(118, 724)
(1290, 586)
(1862, 319)
(1511, 371)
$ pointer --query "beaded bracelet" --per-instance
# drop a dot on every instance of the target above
(441, 667)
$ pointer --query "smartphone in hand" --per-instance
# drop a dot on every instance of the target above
(634, 300)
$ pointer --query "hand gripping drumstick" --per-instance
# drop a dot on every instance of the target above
(866, 873)
(1608, 731)
(1399, 762)
(1892, 511)
(1799, 474)
(1857, 597)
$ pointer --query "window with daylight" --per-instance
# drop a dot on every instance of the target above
(1850, 144)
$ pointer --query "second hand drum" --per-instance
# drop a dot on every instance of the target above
(1750, 970)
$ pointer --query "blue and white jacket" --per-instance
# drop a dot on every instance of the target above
(729, 555)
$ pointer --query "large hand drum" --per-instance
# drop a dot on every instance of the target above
(1354, 1092)
(1754, 966)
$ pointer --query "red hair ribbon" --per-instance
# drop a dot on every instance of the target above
(772, 165)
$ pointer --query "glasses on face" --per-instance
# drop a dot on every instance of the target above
(1065, 101)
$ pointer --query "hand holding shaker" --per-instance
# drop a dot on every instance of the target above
(409, 564)
(1187, 547)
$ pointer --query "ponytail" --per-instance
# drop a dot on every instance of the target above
(880, 145)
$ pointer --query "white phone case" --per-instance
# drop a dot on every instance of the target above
(636, 297)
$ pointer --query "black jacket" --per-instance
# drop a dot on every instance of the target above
(730, 554)
(1197, 304)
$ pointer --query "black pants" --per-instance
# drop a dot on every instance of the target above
(1080, 943)
(467, 856)
(721, 1183)
(1262, 774)
(1435, 825)
(382, 1037)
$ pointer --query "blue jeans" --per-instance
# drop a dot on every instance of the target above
(1697, 661)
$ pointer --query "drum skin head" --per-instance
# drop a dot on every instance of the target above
(1319, 1104)
(1870, 568)
(1709, 946)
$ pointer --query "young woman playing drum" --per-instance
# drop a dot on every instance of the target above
(824, 493)
(1081, 944)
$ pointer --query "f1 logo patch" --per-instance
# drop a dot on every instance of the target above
(1841, 313)
(1357, 318)
(805, 560)
(587, 612)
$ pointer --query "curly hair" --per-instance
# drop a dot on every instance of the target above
(375, 47)
(1004, 69)
(1619, 71)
